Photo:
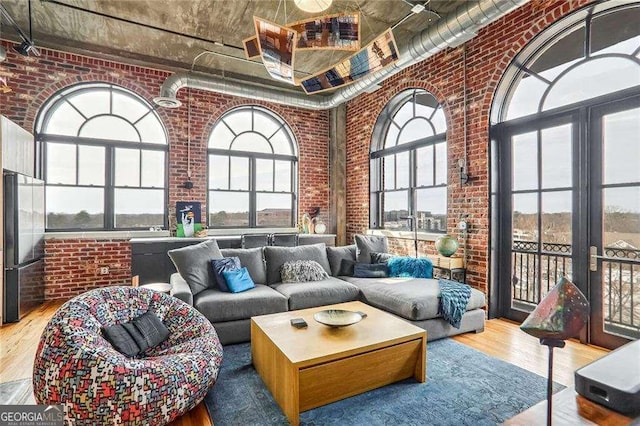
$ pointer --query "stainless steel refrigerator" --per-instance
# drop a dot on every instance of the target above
(24, 222)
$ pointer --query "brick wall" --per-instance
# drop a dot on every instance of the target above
(488, 55)
(71, 265)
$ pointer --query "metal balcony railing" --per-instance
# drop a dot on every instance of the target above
(536, 271)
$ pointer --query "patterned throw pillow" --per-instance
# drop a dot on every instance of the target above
(300, 271)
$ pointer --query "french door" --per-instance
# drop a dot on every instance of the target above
(569, 204)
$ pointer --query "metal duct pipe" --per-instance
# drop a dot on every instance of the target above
(454, 30)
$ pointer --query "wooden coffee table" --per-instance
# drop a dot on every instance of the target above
(309, 367)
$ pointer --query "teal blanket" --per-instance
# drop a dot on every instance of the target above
(454, 298)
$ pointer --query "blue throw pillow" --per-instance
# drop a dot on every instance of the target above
(221, 265)
(370, 270)
(238, 280)
(410, 267)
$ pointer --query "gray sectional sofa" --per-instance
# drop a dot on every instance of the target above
(413, 299)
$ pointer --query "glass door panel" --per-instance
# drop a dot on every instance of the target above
(615, 229)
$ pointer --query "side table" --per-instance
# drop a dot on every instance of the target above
(452, 268)
(159, 287)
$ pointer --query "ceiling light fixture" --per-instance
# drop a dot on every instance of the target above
(313, 6)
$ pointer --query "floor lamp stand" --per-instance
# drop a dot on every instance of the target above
(550, 343)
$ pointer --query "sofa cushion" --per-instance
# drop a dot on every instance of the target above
(337, 254)
(414, 299)
(300, 271)
(193, 264)
(317, 293)
(219, 306)
(251, 258)
(367, 244)
(277, 256)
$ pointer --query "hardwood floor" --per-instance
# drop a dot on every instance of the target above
(501, 339)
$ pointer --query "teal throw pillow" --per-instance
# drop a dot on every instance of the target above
(238, 280)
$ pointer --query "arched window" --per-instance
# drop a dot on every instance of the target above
(103, 157)
(565, 178)
(409, 164)
(252, 170)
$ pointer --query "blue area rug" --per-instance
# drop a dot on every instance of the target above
(463, 387)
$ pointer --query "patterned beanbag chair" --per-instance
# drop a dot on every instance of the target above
(77, 367)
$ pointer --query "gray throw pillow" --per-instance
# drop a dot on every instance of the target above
(380, 257)
(370, 270)
(367, 244)
(253, 260)
(277, 256)
(194, 264)
(301, 271)
(337, 254)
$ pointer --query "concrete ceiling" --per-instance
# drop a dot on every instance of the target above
(122, 30)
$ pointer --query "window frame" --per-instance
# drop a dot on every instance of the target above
(252, 172)
(42, 139)
(378, 152)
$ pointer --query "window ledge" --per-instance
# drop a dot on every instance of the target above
(405, 235)
(104, 235)
(240, 231)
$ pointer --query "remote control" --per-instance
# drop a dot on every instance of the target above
(299, 323)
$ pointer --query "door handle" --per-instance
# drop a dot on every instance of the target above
(593, 258)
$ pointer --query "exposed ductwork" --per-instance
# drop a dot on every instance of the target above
(456, 29)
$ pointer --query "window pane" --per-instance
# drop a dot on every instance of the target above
(65, 120)
(127, 167)
(61, 163)
(128, 106)
(139, 208)
(431, 205)
(264, 123)
(616, 32)
(283, 176)
(239, 173)
(404, 114)
(441, 163)
(525, 161)
(424, 160)
(273, 210)
(252, 142)
(239, 121)
(439, 122)
(153, 169)
(109, 127)
(395, 207)
(281, 142)
(389, 169)
(416, 129)
(221, 137)
(525, 217)
(151, 130)
(391, 138)
(621, 150)
(218, 172)
(402, 170)
(228, 209)
(424, 111)
(620, 212)
(611, 74)
(526, 97)
(69, 208)
(264, 175)
(93, 102)
(556, 157)
(91, 165)
(556, 219)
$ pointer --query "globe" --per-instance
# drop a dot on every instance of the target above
(446, 245)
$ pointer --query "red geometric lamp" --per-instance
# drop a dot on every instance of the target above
(559, 316)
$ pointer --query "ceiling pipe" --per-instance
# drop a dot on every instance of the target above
(453, 31)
